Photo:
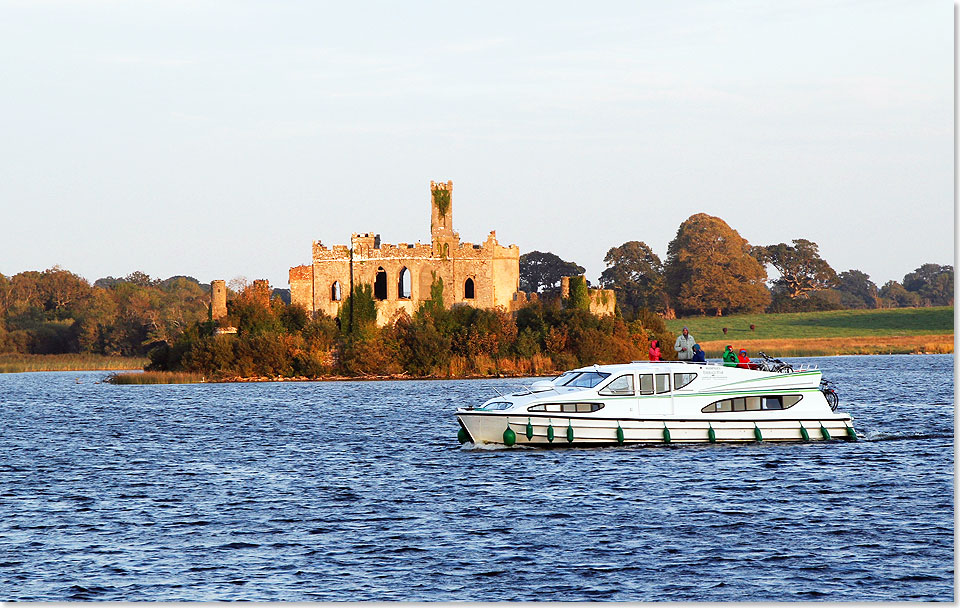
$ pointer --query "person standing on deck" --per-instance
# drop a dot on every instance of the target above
(654, 350)
(698, 355)
(684, 345)
(729, 357)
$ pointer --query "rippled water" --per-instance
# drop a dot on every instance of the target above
(360, 491)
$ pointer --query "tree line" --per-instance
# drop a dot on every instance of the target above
(711, 269)
(57, 311)
(278, 339)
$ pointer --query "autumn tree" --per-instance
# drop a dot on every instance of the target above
(541, 271)
(635, 273)
(709, 267)
(801, 268)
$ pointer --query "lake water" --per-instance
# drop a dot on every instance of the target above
(360, 491)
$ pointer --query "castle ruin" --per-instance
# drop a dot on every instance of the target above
(484, 276)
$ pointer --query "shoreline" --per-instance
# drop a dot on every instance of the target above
(402, 377)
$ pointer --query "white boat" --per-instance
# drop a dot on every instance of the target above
(663, 402)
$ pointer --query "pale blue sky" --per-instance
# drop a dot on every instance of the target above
(218, 139)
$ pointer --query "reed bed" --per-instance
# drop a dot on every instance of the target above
(156, 378)
(819, 347)
(18, 363)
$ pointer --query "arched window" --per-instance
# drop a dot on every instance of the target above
(468, 293)
(380, 286)
(335, 294)
(403, 284)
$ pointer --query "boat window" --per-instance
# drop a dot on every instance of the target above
(620, 386)
(562, 378)
(579, 408)
(496, 405)
(723, 406)
(646, 384)
(663, 383)
(764, 402)
(587, 379)
(681, 380)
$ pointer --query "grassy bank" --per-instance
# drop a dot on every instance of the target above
(14, 363)
(835, 332)
(829, 324)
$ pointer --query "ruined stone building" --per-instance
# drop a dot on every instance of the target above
(602, 301)
(482, 275)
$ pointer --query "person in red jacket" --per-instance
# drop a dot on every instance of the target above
(654, 350)
(744, 361)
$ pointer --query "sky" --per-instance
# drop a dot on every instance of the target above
(220, 139)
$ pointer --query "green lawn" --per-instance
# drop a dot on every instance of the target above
(834, 323)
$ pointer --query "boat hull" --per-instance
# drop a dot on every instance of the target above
(489, 428)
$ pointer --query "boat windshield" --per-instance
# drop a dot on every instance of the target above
(586, 379)
(564, 377)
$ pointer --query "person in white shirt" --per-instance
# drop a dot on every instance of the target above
(684, 345)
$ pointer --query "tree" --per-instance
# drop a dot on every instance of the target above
(894, 295)
(933, 283)
(856, 289)
(140, 278)
(540, 271)
(801, 268)
(579, 294)
(709, 267)
(635, 273)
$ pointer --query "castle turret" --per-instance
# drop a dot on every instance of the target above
(261, 291)
(218, 299)
(441, 210)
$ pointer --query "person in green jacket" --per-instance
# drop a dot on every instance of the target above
(729, 357)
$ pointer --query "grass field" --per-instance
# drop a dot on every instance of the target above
(829, 324)
(835, 332)
(14, 362)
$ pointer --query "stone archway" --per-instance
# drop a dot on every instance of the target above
(380, 285)
(404, 287)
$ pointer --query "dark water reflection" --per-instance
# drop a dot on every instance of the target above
(359, 491)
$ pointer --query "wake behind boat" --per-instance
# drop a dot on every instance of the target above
(663, 402)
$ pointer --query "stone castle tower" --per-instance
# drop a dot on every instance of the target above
(218, 298)
(483, 275)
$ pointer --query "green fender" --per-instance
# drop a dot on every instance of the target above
(825, 432)
(711, 434)
(509, 437)
(804, 433)
(619, 434)
(666, 434)
(569, 432)
(529, 429)
(462, 435)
